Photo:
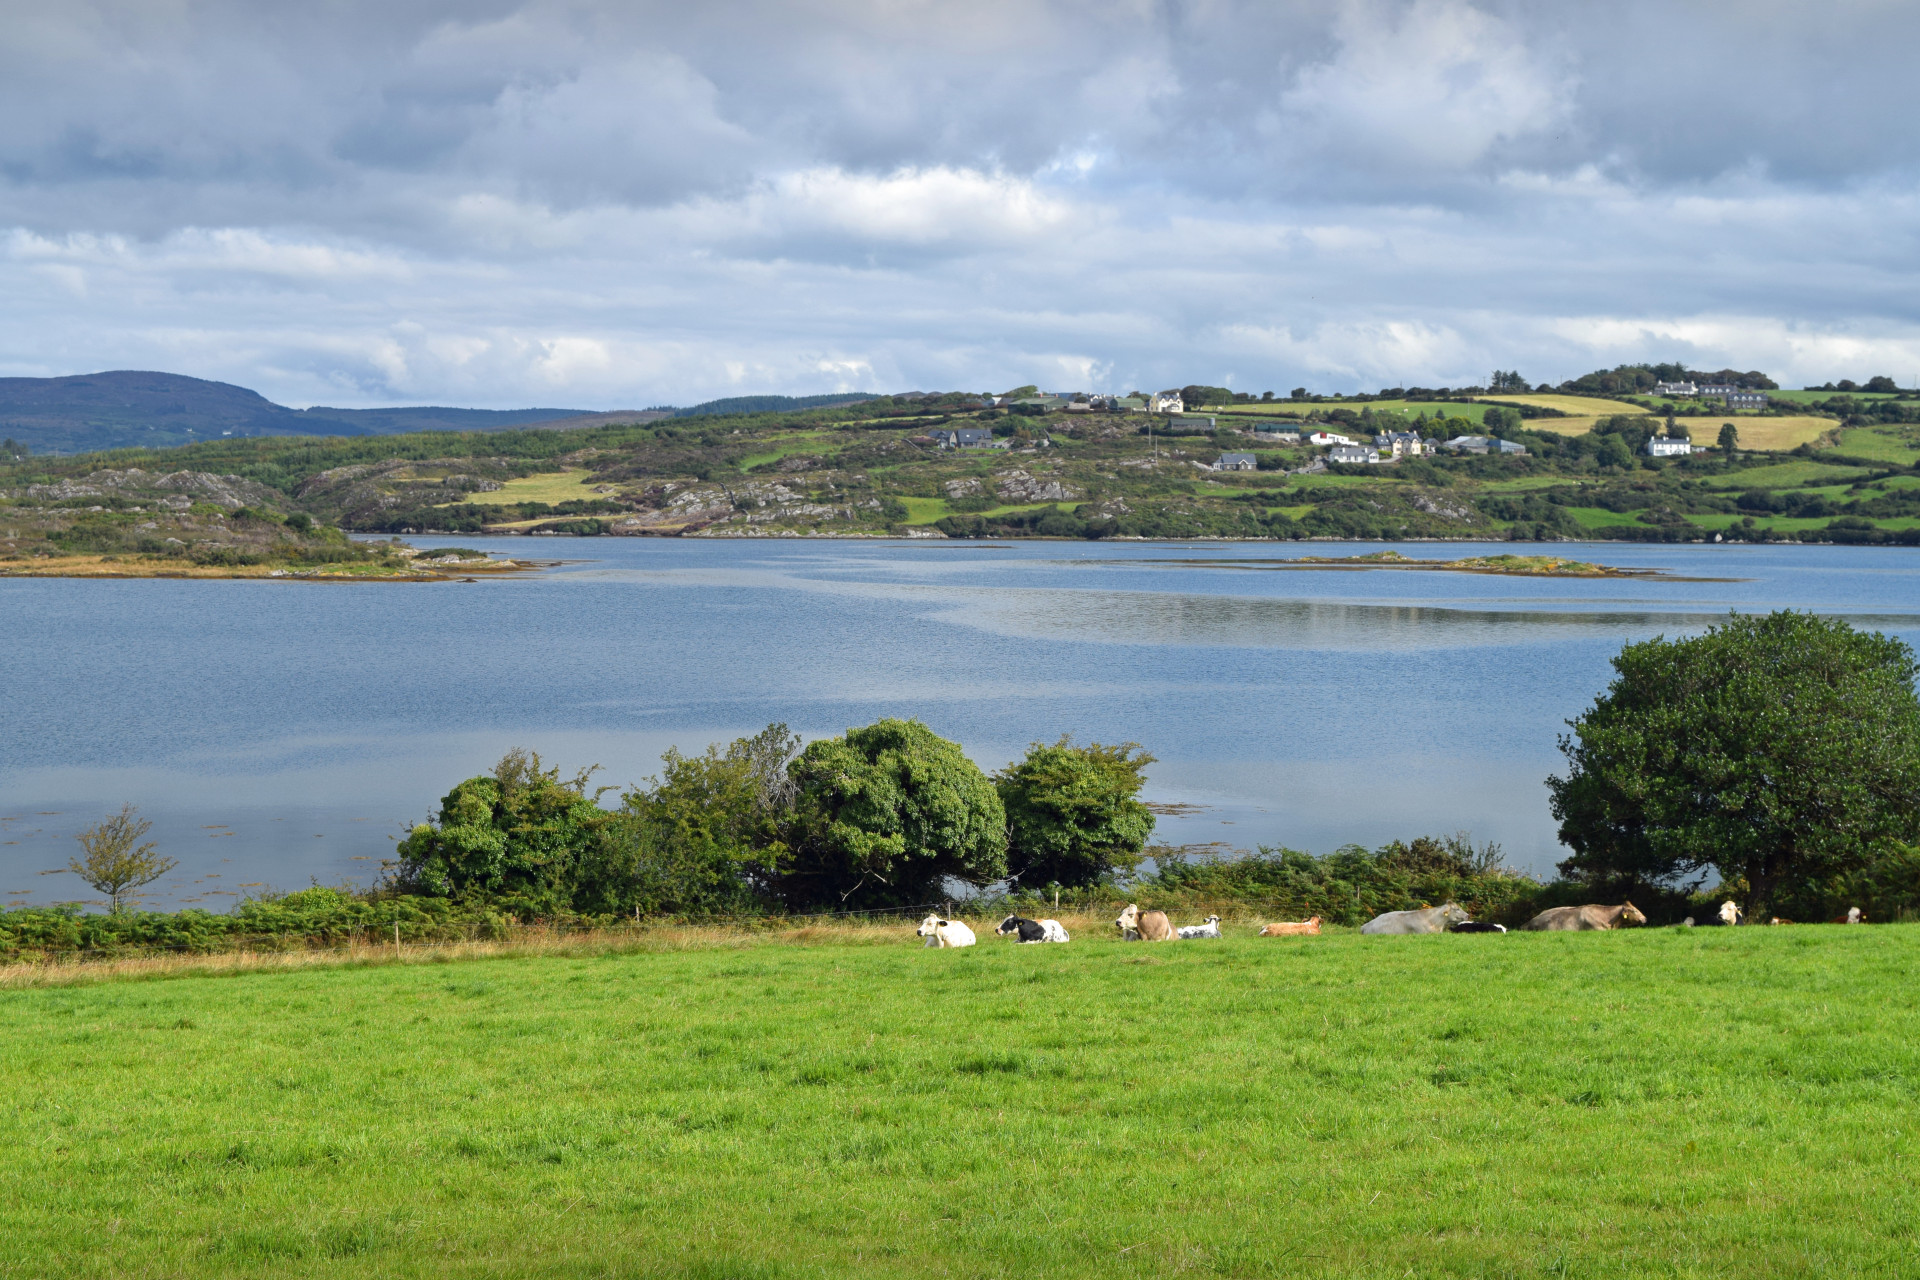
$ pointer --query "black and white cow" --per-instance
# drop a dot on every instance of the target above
(1032, 930)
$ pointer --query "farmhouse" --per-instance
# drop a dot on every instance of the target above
(1675, 389)
(1166, 402)
(1400, 444)
(1668, 447)
(1353, 453)
(963, 438)
(1324, 438)
(1237, 462)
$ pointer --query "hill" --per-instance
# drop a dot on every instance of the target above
(1658, 1102)
(124, 409)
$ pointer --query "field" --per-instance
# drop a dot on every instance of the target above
(1886, 444)
(1770, 433)
(1675, 1103)
(1578, 406)
(548, 487)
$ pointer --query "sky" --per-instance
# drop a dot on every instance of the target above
(618, 203)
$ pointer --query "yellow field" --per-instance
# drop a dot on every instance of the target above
(1773, 434)
(548, 486)
(1588, 407)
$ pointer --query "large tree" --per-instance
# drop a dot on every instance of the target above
(1778, 750)
(1073, 813)
(883, 815)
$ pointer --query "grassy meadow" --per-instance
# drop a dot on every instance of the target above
(843, 1103)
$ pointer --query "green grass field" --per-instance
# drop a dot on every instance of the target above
(1783, 474)
(1888, 444)
(1671, 1103)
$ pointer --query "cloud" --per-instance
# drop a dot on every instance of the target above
(508, 201)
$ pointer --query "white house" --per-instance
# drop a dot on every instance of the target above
(1237, 462)
(1324, 438)
(1353, 453)
(1668, 447)
(1166, 402)
(1675, 389)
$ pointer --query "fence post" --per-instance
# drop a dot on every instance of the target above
(396, 937)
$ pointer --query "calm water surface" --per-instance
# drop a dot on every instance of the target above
(283, 733)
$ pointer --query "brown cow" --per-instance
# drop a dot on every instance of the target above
(1289, 928)
(1591, 916)
(1136, 925)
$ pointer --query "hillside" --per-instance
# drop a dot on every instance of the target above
(875, 470)
(134, 409)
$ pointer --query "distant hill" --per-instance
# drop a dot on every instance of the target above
(129, 409)
(770, 404)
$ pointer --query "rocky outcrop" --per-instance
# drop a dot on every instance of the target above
(175, 488)
(1019, 486)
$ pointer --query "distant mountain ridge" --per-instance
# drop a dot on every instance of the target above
(126, 408)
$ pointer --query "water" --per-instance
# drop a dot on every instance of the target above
(283, 733)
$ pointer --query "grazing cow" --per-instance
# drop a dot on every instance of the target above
(1032, 930)
(1211, 929)
(1591, 916)
(1290, 928)
(1429, 920)
(1475, 926)
(1854, 916)
(945, 933)
(1136, 925)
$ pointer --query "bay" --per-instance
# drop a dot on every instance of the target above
(284, 733)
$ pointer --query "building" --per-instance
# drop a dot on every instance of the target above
(1324, 438)
(1400, 444)
(1130, 404)
(1675, 389)
(963, 438)
(1745, 400)
(1668, 447)
(1353, 453)
(1166, 402)
(1483, 444)
(1237, 462)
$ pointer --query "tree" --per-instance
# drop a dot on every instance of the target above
(520, 835)
(1198, 395)
(116, 863)
(1777, 750)
(1073, 813)
(702, 838)
(1882, 383)
(1729, 438)
(882, 815)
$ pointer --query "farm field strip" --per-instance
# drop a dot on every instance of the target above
(548, 486)
(1668, 1102)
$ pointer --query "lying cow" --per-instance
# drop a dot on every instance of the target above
(1428, 920)
(1032, 930)
(1591, 916)
(1728, 914)
(945, 933)
(1475, 926)
(1136, 925)
(1211, 929)
(1290, 928)
(1854, 916)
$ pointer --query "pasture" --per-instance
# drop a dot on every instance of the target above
(551, 487)
(1578, 406)
(1681, 1103)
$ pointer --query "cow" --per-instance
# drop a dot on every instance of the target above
(945, 933)
(1429, 920)
(1728, 914)
(1591, 916)
(1474, 926)
(1136, 925)
(1290, 928)
(1854, 916)
(1032, 930)
(1211, 929)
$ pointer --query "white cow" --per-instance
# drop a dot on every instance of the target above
(1211, 929)
(945, 933)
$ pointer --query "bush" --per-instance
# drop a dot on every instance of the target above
(1073, 816)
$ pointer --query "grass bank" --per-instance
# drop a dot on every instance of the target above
(1684, 1103)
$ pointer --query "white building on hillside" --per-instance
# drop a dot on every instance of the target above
(1166, 402)
(1668, 447)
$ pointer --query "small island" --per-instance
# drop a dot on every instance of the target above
(1502, 565)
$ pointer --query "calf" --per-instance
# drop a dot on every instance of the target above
(945, 933)
(1429, 920)
(1290, 928)
(1211, 929)
(1032, 930)
(1136, 925)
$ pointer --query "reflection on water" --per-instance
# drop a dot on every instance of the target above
(282, 733)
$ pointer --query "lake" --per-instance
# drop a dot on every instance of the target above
(283, 733)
